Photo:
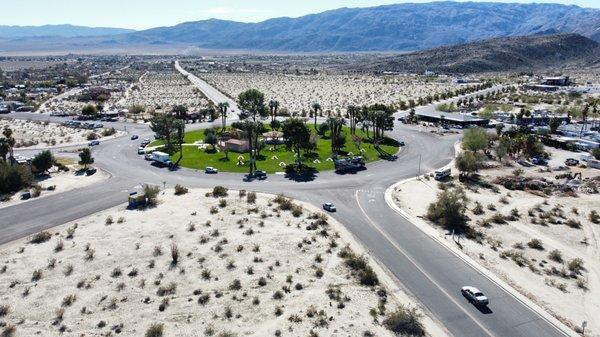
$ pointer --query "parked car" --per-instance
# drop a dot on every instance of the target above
(134, 137)
(210, 170)
(148, 156)
(90, 171)
(141, 150)
(94, 143)
(571, 162)
(401, 143)
(329, 207)
(474, 296)
(539, 161)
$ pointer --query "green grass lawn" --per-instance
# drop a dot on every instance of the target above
(272, 156)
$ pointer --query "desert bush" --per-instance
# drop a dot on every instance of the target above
(594, 217)
(235, 285)
(536, 244)
(116, 272)
(251, 197)
(174, 254)
(109, 220)
(59, 246)
(203, 299)
(478, 209)
(4, 310)
(219, 192)
(360, 267)
(40, 237)
(555, 256)
(405, 321)
(155, 330)
(576, 265)
(36, 275)
(9, 331)
(214, 210)
(180, 190)
(167, 290)
(262, 281)
(222, 203)
(448, 210)
(151, 194)
(491, 207)
(498, 218)
(68, 300)
(573, 223)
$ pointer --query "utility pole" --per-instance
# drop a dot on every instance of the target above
(419, 173)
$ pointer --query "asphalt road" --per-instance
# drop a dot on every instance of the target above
(423, 267)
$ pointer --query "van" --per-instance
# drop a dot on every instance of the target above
(442, 174)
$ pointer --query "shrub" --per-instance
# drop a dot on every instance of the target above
(251, 197)
(555, 256)
(109, 220)
(151, 194)
(448, 210)
(222, 203)
(262, 281)
(155, 330)
(9, 331)
(180, 190)
(498, 219)
(360, 266)
(40, 237)
(68, 300)
(219, 192)
(4, 310)
(405, 321)
(174, 254)
(478, 209)
(594, 217)
(235, 285)
(167, 290)
(573, 223)
(535, 244)
(36, 275)
(575, 265)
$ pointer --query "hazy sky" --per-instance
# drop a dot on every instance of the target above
(140, 14)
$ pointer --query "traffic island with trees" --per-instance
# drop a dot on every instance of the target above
(291, 145)
(531, 224)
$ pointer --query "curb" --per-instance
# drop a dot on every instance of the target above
(432, 233)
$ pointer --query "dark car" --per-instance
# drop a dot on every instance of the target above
(261, 175)
(90, 171)
(134, 137)
(329, 207)
(571, 162)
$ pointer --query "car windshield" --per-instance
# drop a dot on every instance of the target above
(479, 294)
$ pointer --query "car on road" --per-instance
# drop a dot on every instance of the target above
(94, 143)
(260, 175)
(141, 150)
(329, 207)
(474, 296)
(148, 156)
(145, 142)
(571, 162)
(401, 143)
(210, 170)
(539, 161)
(90, 171)
(134, 137)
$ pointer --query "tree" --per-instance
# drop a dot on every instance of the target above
(323, 128)
(223, 107)
(180, 111)
(353, 112)
(499, 129)
(253, 102)
(7, 143)
(4, 148)
(179, 126)
(316, 107)
(43, 161)
(596, 153)
(554, 124)
(275, 125)
(411, 114)
(448, 210)
(251, 131)
(85, 157)
(273, 107)
(296, 135)
(503, 147)
(164, 126)
(210, 137)
(468, 162)
(475, 139)
(337, 139)
(14, 178)
(89, 110)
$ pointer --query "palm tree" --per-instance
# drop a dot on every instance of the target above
(352, 115)
(9, 140)
(223, 107)
(584, 115)
(273, 106)
(335, 125)
(316, 108)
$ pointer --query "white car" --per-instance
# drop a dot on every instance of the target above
(210, 170)
(329, 207)
(474, 295)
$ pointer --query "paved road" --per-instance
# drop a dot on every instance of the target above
(426, 269)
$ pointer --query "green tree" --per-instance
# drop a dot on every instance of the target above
(316, 107)
(252, 102)
(251, 130)
(43, 161)
(89, 110)
(210, 137)
(596, 153)
(223, 107)
(323, 128)
(85, 157)
(180, 111)
(273, 107)
(337, 140)
(7, 142)
(296, 135)
(554, 124)
(353, 112)
(475, 139)
(165, 127)
(468, 162)
(14, 178)
(275, 125)
(448, 210)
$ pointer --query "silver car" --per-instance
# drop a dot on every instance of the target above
(474, 296)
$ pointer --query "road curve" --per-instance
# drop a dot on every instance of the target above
(424, 268)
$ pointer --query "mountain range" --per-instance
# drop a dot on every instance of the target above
(12, 32)
(524, 53)
(400, 27)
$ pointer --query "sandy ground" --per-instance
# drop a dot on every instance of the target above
(571, 297)
(333, 92)
(62, 182)
(38, 134)
(161, 90)
(114, 274)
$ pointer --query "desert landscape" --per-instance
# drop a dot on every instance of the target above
(545, 244)
(201, 262)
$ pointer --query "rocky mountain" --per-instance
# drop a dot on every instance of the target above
(497, 54)
(400, 27)
(12, 32)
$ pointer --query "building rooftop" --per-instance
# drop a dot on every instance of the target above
(449, 116)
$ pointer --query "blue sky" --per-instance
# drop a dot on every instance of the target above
(140, 14)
